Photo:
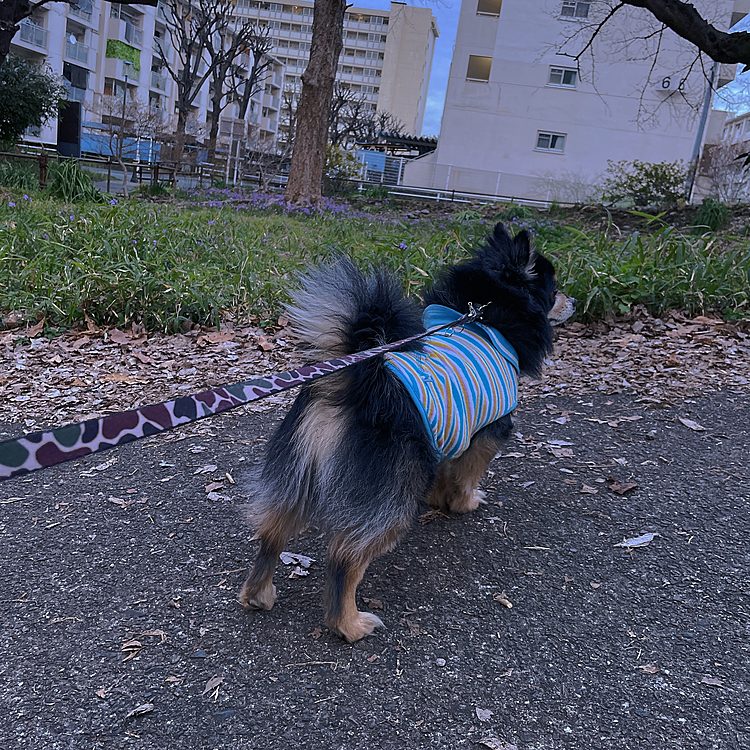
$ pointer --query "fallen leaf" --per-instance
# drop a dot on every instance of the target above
(692, 425)
(298, 572)
(160, 634)
(123, 377)
(208, 469)
(290, 558)
(648, 669)
(132, 645)
(212, 486)
(638, 541)
(144, 708)
(415, 628)
(503, 599)
(483, 714)
(621, 488)
(373, 603)
(35, 330)
(174, 679)
(101, 693)
(119, 337)
(586, 490)
(265, 344)
(212, 684)
(706, 680)
(317, 633)
(594, 585)
(373, 658)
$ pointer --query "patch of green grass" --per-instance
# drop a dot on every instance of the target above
(170, 267)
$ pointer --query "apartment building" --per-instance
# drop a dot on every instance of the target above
(542, 125)
(386, 57)
(112, 50)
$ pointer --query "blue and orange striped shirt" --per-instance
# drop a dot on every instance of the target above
(461, 380)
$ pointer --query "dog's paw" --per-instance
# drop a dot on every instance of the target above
(469, 502)
(260, 599)
(358, 627)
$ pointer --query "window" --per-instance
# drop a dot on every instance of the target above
(479, 68)
(575, 9)
(550, 142)
(563, 77)
(489, 7)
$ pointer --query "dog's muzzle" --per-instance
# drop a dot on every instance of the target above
(562, 310)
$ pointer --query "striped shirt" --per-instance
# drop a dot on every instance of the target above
(461, 380)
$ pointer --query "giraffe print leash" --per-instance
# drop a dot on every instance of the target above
(39, 450)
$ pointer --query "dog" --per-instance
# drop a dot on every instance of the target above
(358, 454)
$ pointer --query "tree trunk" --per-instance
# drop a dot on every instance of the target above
(213, 133)
(179, 137)
(308, 159)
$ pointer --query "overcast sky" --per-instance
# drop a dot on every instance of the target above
(734, 97)
(446, 13)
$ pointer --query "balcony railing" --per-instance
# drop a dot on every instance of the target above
(74, 94)
(129, 71)
(133, 34)
(158, 81)
(84, 9)
(33, 33)
(76, 51)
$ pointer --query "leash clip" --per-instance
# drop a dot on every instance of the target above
(475, 312)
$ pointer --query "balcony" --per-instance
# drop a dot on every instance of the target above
(74, 94)
(84, 10)
(33, 34)
(76, 51)
(161, 11)
(158, 81)
(133, 35)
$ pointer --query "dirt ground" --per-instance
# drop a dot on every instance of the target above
(120, 626)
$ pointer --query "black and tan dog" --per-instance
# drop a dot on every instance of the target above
(357, 453)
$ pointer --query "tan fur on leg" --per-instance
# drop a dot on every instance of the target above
(456, 484)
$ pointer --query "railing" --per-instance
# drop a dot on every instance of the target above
(161, 11)
(76, 51)
(73, 93)
(133, 34)
(158, 81)
(33, 33)
(130, 72)
(84, 9)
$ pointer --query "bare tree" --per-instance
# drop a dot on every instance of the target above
(12, 12)
(724, 172)
(126, 122)
(192, 26)
(228, 81)
(308, 159)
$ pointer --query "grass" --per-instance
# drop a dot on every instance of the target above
(233, 256)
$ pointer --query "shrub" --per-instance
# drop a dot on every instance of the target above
(19, 176)
(375, 192)
(514, 211)
(713, 216)
(71, 184)
(645, 183)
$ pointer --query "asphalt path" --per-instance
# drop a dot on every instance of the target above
(120, 626)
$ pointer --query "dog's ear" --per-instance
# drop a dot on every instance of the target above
(501, 234)
(524, 255)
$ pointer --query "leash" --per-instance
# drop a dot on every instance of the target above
(39, 450)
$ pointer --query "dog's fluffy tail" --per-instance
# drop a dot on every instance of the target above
(340, 310)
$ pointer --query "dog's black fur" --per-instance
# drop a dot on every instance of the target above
(353, 454)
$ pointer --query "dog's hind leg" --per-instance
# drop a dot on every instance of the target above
(258, 591)
(347, 561)
(456, 486)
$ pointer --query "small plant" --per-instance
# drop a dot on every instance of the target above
(375, 192)
(712, 216)
(156, 190)
(644, 183)
(71, 184)
(514, 211)
(18, 176)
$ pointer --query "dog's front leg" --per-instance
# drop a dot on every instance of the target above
(456, 486)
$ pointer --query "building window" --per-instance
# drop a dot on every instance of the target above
(563, 77)
(479, 68)
(574, 9)
(550, 142)
(489, 7)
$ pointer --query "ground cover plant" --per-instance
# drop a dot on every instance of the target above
(227, 255)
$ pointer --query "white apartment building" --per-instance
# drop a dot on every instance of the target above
(387, 54)
(523, 118)
(86, 45)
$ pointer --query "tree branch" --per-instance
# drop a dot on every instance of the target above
(687, 22)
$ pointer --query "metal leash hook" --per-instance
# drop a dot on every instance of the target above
(476, 312)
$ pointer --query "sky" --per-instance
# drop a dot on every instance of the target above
(734, 97)
(446, 12)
